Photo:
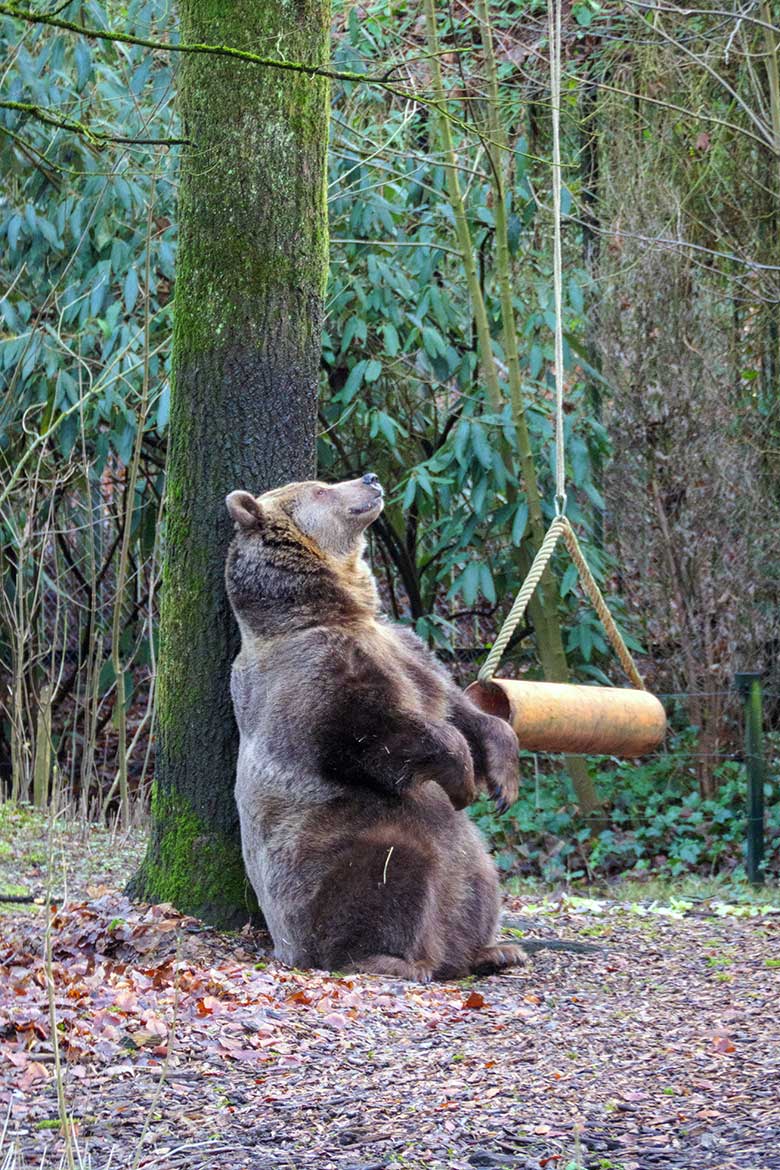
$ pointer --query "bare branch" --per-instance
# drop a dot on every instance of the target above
(733, 15)
(764, 131)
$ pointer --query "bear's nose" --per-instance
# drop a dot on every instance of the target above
(370, 479)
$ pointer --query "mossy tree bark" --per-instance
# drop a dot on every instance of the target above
(252, 265)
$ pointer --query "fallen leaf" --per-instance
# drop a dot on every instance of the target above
(208, 1006)
(336, 1020)
(126, 1001)
(35, 1071)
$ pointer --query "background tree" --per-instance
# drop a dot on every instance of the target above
(246, 350)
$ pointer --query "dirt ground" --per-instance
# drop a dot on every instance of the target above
(180, 1047)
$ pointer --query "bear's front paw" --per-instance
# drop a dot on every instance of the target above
(452, 767)
(502, 770)
(456, 780)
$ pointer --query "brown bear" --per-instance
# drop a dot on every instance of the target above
(358, 754)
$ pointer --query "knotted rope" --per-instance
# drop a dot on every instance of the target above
(560, 527)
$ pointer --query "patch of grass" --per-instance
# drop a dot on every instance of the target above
(675, 897)
(86, 855)
(692, 887)
(598, 930)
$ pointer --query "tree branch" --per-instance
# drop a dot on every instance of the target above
(96, 137)
(113, 35)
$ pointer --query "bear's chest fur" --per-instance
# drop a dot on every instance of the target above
(417, 684)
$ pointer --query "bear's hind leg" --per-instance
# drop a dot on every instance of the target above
(372, 911)
(415, 972)
(498, 957)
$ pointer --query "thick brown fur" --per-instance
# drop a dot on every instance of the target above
(358, 754)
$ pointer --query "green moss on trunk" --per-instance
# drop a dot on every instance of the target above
(197, 869)
(251, 270)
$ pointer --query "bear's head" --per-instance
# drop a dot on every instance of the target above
(296, 556)
(331, 518)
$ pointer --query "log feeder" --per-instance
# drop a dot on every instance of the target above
(562, 717)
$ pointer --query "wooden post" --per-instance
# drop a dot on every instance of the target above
(42, 760)
(748, 684)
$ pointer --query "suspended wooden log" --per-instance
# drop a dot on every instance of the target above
(562, 717)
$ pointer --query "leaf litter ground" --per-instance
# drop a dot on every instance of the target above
(181, 1047)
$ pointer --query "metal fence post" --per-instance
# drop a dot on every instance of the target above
(748, 683)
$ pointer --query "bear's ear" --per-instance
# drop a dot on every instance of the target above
(244, 509)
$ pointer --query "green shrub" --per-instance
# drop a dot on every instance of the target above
(657, 823)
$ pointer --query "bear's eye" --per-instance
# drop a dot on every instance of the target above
(320, 492)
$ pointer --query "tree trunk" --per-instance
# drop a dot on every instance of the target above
(252, 266)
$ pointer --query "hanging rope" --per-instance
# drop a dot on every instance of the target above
(560, 526)
(515, 615)
(554, 23)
